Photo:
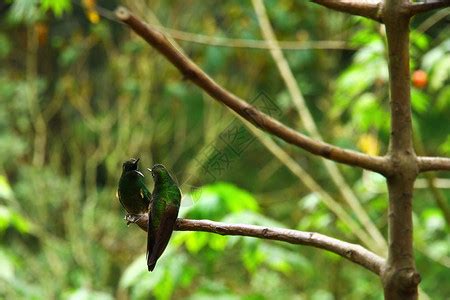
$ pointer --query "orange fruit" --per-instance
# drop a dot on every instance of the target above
(419, 79)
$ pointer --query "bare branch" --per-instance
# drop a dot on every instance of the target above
(193, 73)
(252, 44)
(310, 125)
(428, 5)
(427, 163)
(335, 206)
(368, 9)
(433, 20)
(353, 252)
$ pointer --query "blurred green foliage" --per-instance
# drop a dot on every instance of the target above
(79, 95)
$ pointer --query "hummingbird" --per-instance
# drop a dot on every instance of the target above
(132, 192)
(163, 213)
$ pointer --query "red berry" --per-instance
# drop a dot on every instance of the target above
(420, 79)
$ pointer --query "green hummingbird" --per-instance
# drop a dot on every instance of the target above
(132, 192)
(163, 213)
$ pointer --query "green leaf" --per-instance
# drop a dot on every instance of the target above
(58, 7)
(443, 99)
(433, 220)
(254, 218)
(5, 189)
(217, 200)
(419, 40)
(196, 241)
(5, 46)
(7, 266)
(419, 100)
(87, 294)
(445, 146)
(10, 218)
(432, 57)
(252, 258)
(134, 272)
(284, 260)
(24, 11)
(440, 73)
(367, 113)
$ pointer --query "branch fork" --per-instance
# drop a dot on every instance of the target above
(400, 166)
(193, 73)
(376, 10)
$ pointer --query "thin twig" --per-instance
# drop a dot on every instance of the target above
(192, 72)
(368, 9)
(249, 43)
(353, 252)
(427, 163)
(417, 8)
(235, 42)
(434, 19)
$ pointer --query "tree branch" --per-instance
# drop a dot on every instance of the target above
(193, 73)
(427, 163)
(305, 178)
(353, 252)
(371, 10)
(417, 8)
(308, 121)
(251, 43)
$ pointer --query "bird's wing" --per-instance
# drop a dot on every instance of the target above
(158, 238)
(145, 193)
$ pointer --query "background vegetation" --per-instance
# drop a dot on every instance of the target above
(79, 94)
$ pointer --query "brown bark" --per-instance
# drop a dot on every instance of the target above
(400, 166)
(425, 6)
(352, 252)
(400, 278)
(371, 10)
(433, 163)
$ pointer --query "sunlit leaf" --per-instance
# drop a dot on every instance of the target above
(5, 188)
(86, 294)
(219, 199)
(433, 219)
(58, 7)
(10, 218)
(419, 100)
(368, 143)
(6, 265)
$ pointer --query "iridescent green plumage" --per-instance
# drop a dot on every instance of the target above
(132, 193)
(163, 213)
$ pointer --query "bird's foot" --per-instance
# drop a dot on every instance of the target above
(133, 218)
(140, 220)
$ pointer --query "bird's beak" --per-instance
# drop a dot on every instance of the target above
(136, 162)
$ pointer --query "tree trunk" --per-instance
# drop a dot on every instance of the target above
(400, 278)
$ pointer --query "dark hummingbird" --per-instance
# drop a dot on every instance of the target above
(132, 193)
(163, 213)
